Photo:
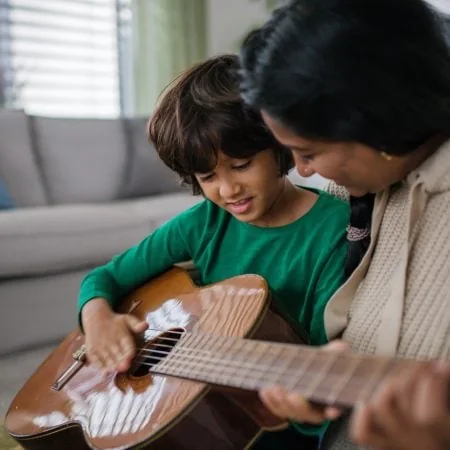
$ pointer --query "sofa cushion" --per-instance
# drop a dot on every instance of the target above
(6, 202)
(18, 167)
(83, 160)
(54, 239)
(146, 173)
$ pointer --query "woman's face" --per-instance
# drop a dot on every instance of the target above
(360, 169)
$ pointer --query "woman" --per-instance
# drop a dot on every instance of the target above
(360, 92)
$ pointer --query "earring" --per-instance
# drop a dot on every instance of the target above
(386, 156)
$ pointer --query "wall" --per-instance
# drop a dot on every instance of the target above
(229, 20)
(442, 5)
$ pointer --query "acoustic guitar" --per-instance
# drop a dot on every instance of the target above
(193, 383)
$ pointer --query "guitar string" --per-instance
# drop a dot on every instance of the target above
(219, 372)
(204, 355)
(146, 352)
(229, 365)
(298, 348)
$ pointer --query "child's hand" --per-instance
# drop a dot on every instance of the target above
(290, 405)
(110, 339)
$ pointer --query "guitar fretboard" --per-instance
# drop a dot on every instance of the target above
(329, 378)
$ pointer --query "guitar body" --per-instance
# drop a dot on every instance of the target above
(93, 410)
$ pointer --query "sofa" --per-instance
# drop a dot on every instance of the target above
(83, 190)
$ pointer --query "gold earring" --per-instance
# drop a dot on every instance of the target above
(386, 156)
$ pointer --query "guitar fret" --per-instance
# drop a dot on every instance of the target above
(235, 354)
(319, 378)
(188, 345)
(245, 372)
(290, 357)
(294, 383)
(365, 376)
(366, 392)
(194, 362)
(247, 376)
(269, 373)
(221, 348)
(285, 358)
(328, 378)
(337, 389)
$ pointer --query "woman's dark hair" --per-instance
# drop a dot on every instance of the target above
(369, 71)
(201, 113)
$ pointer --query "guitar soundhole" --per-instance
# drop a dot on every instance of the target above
(154, 351)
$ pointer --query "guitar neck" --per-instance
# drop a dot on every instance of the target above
(341, 379)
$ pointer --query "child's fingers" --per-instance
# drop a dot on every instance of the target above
(332, 413)
(136, 325)
(337, 345)
(127, 347)
(113, 355)
(291, 405)
(101, 358)
(92, 356)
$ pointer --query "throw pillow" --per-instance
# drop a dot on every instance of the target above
(6, 201)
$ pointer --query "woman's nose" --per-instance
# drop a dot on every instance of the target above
(304, 168)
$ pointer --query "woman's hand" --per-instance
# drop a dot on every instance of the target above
(289, 405)
(408, 412)
(110, 337)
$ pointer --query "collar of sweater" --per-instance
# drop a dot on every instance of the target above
(434, 172)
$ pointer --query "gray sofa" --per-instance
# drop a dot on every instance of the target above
(84, 189)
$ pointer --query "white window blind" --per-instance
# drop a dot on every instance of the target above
(61, 57)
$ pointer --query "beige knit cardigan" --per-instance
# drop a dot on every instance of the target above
(397, 302)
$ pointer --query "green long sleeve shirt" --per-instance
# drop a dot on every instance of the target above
(302, 262)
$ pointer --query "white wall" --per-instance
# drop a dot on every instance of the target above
(442, 5)
(229, 20)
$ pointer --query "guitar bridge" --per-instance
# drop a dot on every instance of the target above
(79, 357)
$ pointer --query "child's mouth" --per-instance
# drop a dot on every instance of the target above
(240, 207)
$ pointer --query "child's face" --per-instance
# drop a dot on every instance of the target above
(246, 188)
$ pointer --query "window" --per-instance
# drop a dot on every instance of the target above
(62, 58)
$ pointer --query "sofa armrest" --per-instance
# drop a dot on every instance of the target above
(54, 239)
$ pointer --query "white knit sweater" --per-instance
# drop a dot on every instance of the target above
(397, 302)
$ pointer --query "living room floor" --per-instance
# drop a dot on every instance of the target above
(15, 370)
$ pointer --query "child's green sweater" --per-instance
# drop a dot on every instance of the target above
(303, 262)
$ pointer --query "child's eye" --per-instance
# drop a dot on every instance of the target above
(206, 177)
(242, 166)
(307, 158)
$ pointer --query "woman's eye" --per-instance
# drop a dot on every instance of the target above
(242, 166)
(307, 158)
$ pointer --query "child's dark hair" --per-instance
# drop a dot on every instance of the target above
(369, 71)
(201, 113)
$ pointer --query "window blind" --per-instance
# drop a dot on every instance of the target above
(62, 58)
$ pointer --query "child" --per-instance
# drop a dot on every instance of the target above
(253, 219)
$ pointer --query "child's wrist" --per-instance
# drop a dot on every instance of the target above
(95, 310)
